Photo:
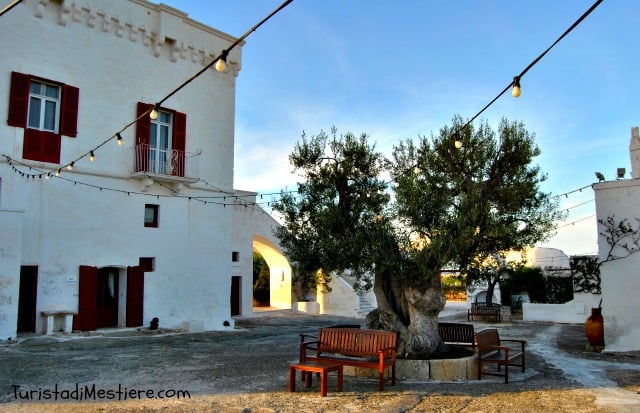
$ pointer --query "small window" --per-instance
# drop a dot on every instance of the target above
(235, 256)
(44, 106)
(148, 264)
(151, 215)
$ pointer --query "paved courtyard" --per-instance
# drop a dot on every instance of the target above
(245, 370)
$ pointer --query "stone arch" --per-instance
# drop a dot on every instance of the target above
(280, 271)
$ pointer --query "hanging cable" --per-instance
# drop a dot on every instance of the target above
(10, 6)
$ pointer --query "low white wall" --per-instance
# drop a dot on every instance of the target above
(340, 301)
(574, 311)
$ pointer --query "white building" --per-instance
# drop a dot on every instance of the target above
(152, 228)
(620, 199)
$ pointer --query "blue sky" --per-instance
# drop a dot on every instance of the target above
(399, 69)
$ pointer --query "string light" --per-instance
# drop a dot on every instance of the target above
(221, 63)
(154, 113)
(70, 166)
(92, 157)
(515, 92)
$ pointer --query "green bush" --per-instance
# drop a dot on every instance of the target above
(541, 289)
(261, 279)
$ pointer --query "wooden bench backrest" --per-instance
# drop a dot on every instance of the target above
(456, 332)
(354, 341)
(487, 337)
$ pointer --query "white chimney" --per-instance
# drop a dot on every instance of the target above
(634, 152)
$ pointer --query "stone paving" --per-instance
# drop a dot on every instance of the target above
(245, 370)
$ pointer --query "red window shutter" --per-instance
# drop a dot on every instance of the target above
(69, 111)
(135, 296)
(143, 131)
(86, 320)
(41, 146)
(18, 100)
(179, 143)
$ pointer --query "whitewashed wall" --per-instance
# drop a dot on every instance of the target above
(574, 311)
(118, 53)
(620, 279)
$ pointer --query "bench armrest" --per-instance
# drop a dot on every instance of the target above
(390, 352)
(521, 342)
(311, 345)
(304, 336)
(494, 347)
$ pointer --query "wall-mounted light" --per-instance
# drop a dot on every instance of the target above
(599, 176)
(515, 92)
(621, 172)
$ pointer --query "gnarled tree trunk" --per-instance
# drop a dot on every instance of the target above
(411, 312)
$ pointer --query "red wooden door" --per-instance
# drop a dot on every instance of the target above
(135, 296)
(86, 318)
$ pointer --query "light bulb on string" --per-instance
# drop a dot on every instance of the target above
(221, 64)
(515, 92)
(154, 113)
(457, 142)
(70, 166)
(92, 157)
(120, 140)
(58, 172)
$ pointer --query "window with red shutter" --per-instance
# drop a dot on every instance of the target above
(179, 143)
(46, 110)
(143, 127)
(18, 100)
(161, 142)
(69, 111)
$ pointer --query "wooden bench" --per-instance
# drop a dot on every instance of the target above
(484, 311)
(373, 349)
(491, 350)
(457, 333)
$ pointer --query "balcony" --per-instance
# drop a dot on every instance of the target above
(165, 165)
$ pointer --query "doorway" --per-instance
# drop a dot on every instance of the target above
(27, 299)
(98, 298)
(236, 288)
(107, 297)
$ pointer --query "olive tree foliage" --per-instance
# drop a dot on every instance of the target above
(452, 208)
(473, 204)
(336, 210)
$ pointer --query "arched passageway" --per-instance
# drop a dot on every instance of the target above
(280, 272)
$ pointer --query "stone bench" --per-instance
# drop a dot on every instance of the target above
(64, 318)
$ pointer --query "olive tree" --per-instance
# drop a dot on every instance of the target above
(445, 207)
